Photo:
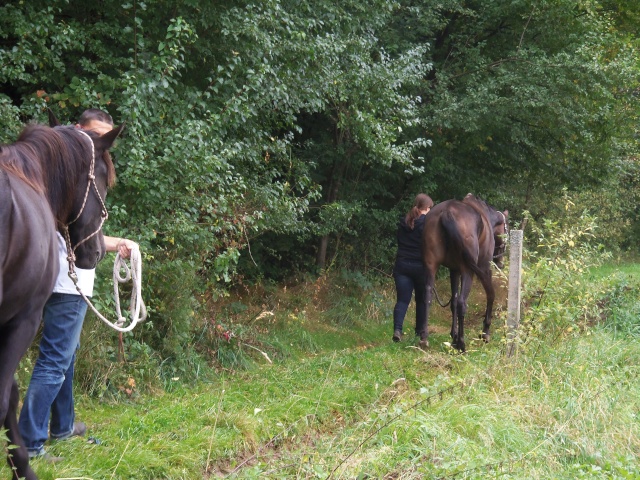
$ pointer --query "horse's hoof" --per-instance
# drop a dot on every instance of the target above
(485, 337)
(397, 336)
(424, 343)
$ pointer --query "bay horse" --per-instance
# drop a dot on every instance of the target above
(464, 236)
(50, 179)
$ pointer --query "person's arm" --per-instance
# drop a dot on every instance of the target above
(120, 245)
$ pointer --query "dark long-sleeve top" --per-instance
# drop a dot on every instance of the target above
(410, 240)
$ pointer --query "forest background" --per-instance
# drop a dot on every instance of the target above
(272, 142)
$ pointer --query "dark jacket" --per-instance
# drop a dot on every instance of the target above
(410, 240)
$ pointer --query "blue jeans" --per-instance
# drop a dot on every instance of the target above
(410, 276)
(50, 392)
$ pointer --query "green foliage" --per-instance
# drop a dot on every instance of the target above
(561, 295)
(616, 205)
(284, 138)
(507, 109)
(564, 252)
(254, 132)
(9, 117)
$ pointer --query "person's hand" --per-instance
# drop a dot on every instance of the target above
(125, 246)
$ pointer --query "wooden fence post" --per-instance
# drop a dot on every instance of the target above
(513, 304)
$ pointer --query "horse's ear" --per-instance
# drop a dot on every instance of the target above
(104, 142)
(53, 120)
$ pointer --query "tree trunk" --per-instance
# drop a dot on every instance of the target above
(335, 181)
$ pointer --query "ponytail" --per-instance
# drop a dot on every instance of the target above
(422, 202)
(410, 218)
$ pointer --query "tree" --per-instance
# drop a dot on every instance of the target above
(289, 134)
(523, 98)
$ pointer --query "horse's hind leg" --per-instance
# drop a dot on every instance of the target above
(466, 280)
(454, 276)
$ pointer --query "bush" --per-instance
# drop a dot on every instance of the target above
(557, 298)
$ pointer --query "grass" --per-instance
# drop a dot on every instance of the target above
(340, 400)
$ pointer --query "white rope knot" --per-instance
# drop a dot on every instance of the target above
(133, 273)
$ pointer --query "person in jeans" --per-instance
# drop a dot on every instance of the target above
(48, 408)
(409, 271)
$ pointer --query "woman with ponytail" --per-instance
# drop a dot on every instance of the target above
(409, 271)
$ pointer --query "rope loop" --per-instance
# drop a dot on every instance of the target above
(137, 308)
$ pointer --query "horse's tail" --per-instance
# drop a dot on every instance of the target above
(454, 237)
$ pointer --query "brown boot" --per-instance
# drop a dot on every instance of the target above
(397, 335)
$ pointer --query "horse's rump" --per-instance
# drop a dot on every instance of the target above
(463, 229)
(456, 234)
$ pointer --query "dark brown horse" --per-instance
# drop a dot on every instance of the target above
(50, 178)
(464, 236)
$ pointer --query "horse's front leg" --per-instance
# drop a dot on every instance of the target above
(487, 284)
(15, 338)
(18, 458)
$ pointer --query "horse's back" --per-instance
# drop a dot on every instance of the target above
(28, 248)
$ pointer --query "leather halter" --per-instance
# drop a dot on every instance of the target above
(104, 214)
(503, 247)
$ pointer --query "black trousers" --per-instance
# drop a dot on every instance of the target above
(409, 277)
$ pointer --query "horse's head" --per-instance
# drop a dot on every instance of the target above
(93, 173)
(500, 221)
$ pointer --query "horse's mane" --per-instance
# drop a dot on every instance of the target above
(58, 172)
(22, 160)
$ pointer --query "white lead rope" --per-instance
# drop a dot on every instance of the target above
(138, 311)
(137, 308)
